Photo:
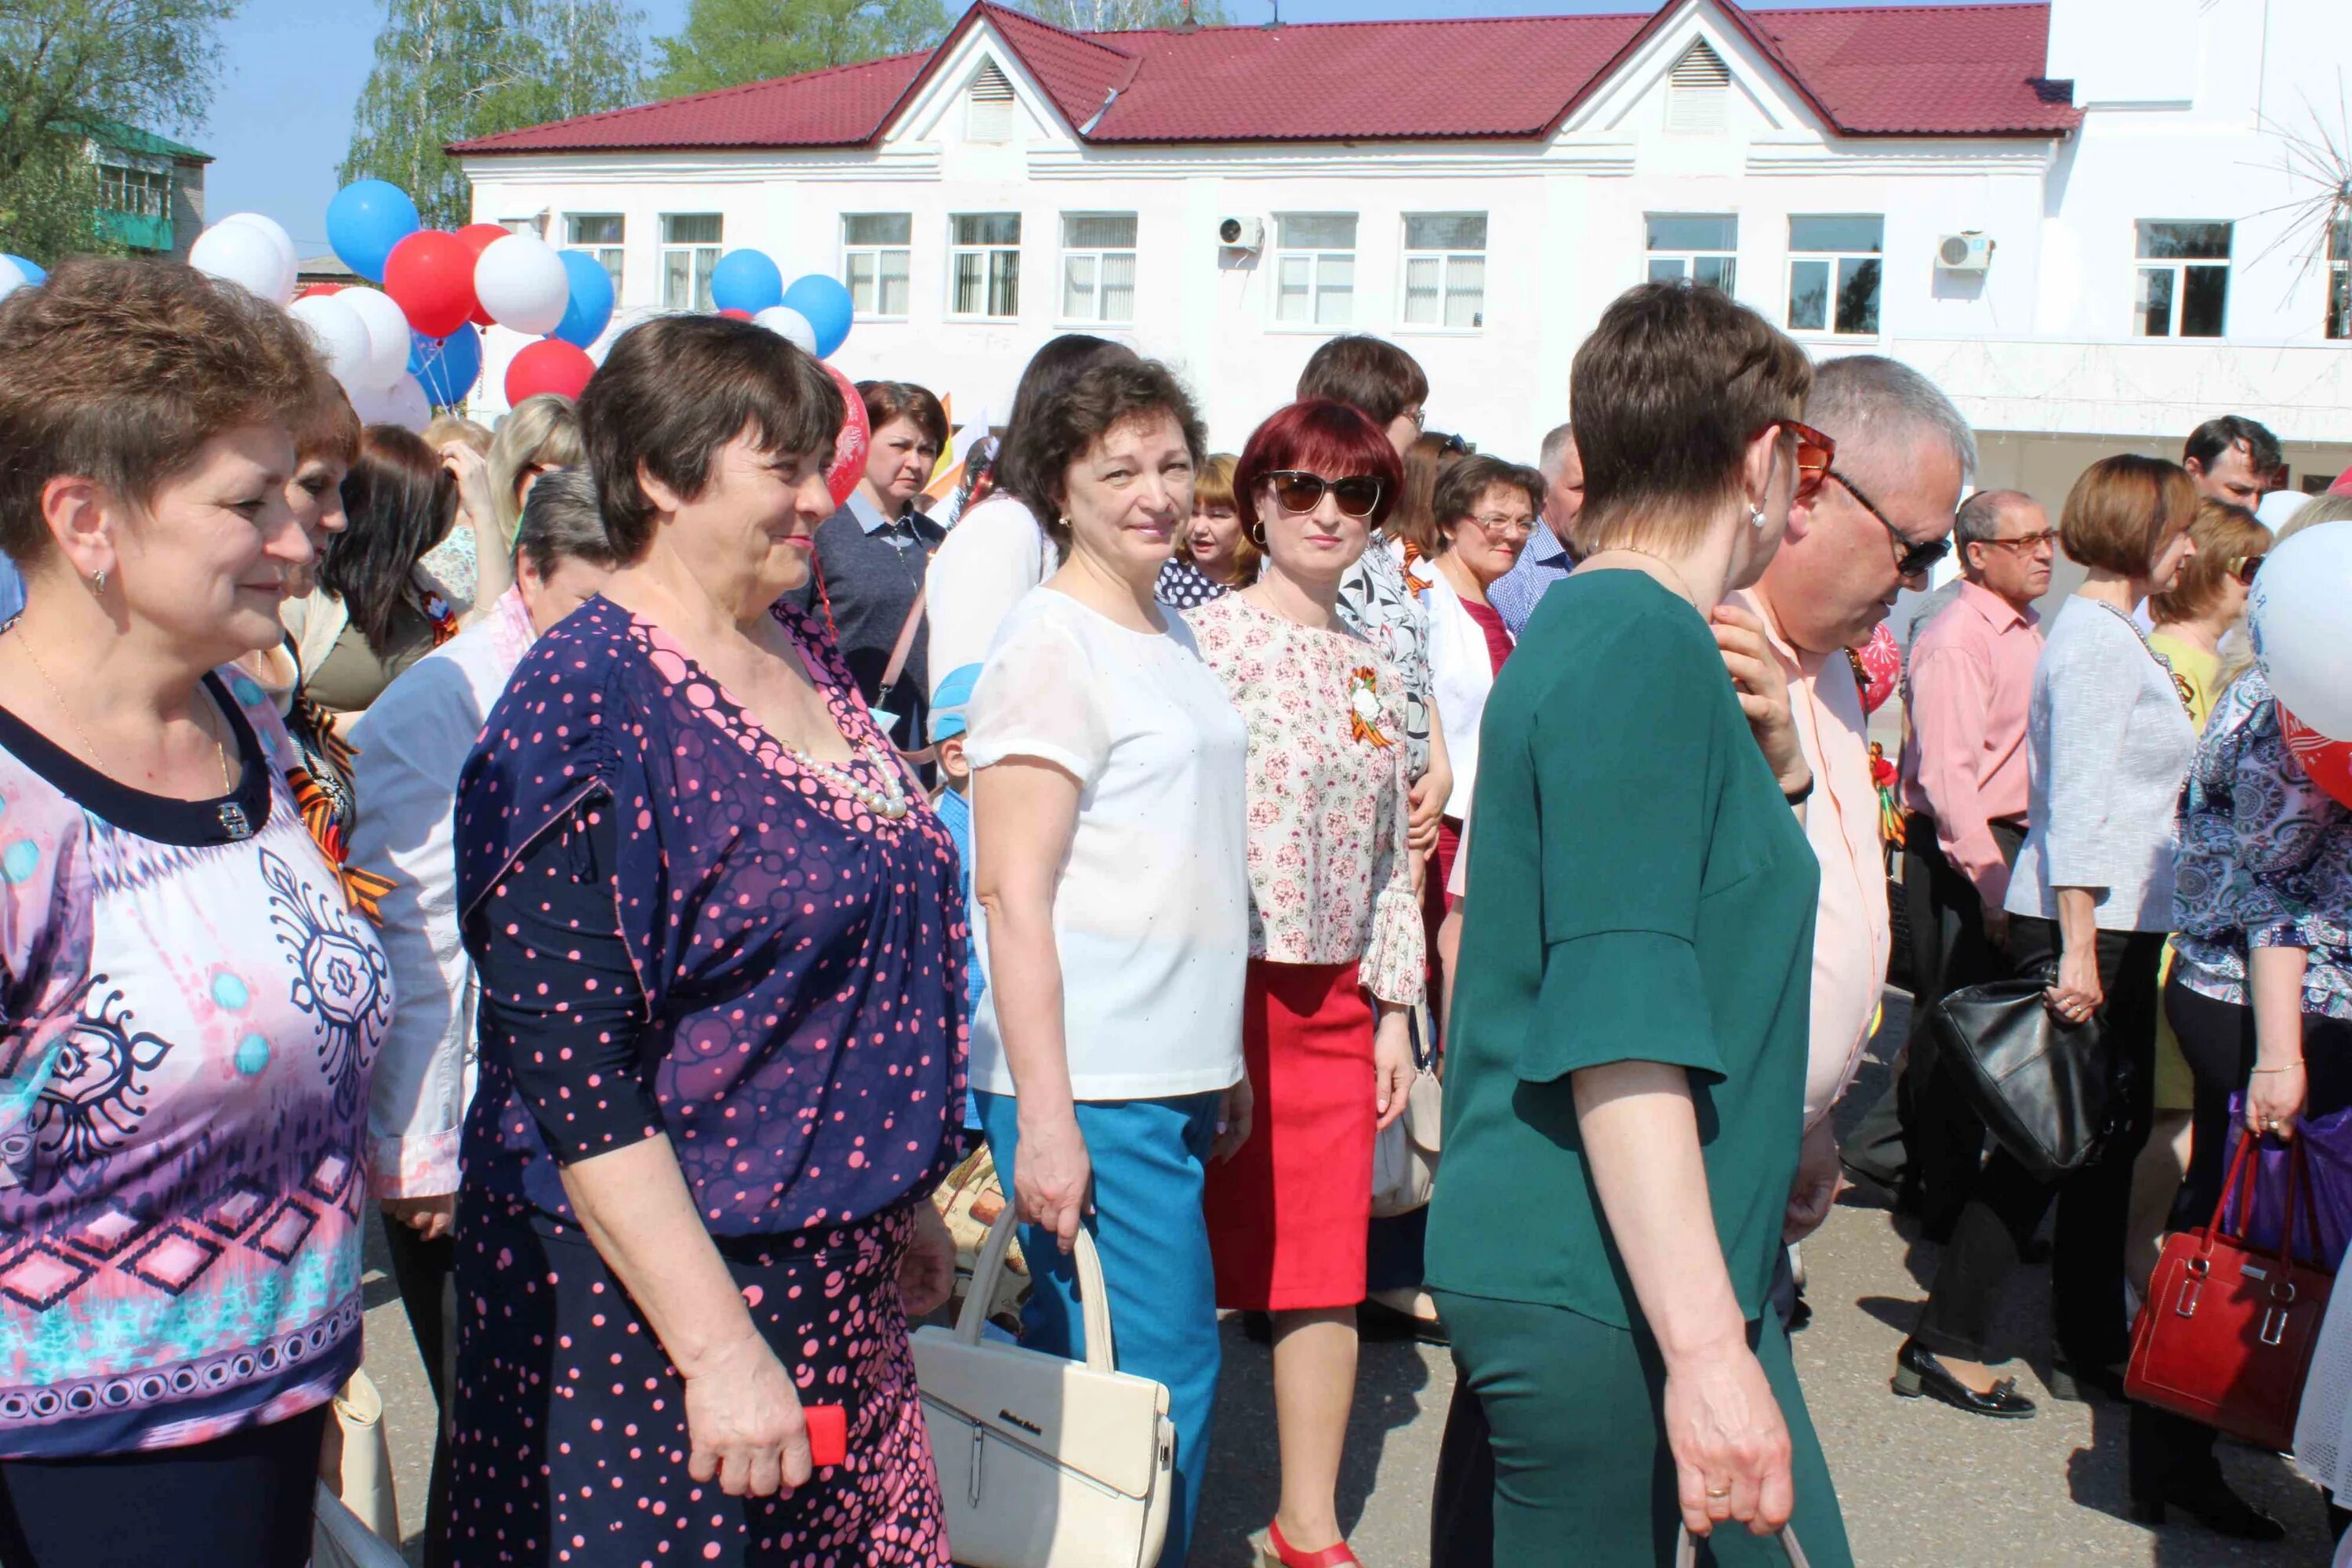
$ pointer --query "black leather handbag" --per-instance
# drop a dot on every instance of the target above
(2050, 1091)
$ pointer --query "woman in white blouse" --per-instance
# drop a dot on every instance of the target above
(1113, 894)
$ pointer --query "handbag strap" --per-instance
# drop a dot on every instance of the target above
(1687, 1548)
(1094, 1295)
(2219, 1225)
(905, 647)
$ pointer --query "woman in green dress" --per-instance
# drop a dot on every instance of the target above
(1625, 1082)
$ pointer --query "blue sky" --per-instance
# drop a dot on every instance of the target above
(292, 70)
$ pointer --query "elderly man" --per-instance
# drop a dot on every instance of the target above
(2233, 459)
(1551, 553)
(1881, 520)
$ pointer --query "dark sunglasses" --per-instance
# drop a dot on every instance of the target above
(2244, 568)
(1910, 559)
(1359, 495)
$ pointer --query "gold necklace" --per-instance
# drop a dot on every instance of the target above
(1680, 582)
(97, 754)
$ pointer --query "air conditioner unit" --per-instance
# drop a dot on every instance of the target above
(1969, 252)
(1242, 233)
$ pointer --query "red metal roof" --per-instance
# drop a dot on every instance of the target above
(1910, 71)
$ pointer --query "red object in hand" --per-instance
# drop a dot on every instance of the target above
(829, 1433)
(2328, 762)
(550, 364)
(430, 275)
(849, 448)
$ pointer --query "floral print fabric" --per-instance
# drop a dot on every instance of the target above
(1377, 602)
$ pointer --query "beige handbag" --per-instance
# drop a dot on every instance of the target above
(1686, 1546)
(1404, 1153)
(338, 1538)
(356, 1465)
(1044, 1462)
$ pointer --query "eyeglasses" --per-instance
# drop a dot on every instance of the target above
(1815, 453)
(2243, 567)
(1495, 525)
(2026, 543)
(1359, 495)
(1910, 559)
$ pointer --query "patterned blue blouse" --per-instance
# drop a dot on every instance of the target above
(679, 929)
(2265, 859)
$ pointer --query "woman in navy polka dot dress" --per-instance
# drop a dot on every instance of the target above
(721, 944)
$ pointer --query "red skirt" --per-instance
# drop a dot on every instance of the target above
(1286, 1214)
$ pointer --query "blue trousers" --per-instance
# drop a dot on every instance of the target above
(1154, 1244)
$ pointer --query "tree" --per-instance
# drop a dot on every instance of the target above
(449, 70)
(726, 43)
(65, 64)
(1122, 15)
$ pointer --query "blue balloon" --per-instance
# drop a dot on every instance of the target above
(446, 367)
(590, 311)
(746, 280)
(827, 305)
(365, 220)
(33, 275)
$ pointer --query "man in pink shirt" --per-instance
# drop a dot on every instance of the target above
(1966, 687)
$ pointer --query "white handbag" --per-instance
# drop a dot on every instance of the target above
(1044, 1462)
(1405, 1153)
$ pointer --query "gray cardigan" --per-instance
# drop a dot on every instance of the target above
(2109, 745)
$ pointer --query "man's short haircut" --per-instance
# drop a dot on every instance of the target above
(562, 521)
(2121, 510)
(1979, 519)
(673, 392)
(2213, 440)
(1369, 375)
(1555, 446)
(1865, 398)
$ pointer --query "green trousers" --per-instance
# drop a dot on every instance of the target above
(1576, 1409)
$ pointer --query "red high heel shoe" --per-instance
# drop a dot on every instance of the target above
(1274, 1552)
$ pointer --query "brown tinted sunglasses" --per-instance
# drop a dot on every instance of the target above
(1815, 453)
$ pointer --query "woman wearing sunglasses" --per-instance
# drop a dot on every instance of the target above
(1336, 951)
(1625, 1067)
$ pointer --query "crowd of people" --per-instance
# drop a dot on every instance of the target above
(636, 879)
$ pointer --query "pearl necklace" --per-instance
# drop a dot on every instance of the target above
(888, 803)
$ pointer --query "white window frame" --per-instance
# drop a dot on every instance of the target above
(701, 256)
(1687, 259)
(2338, 324)
(989, 251)
(1319, 260)
(2145, 266)
(134, 189)
(876, 254)
(611, 255)
(1096, 258)
(1837, 261)
(1451, 261)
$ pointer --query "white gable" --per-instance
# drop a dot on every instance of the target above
(1697, 79)
(981, 99)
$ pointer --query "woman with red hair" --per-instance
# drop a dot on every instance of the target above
(1335, 947)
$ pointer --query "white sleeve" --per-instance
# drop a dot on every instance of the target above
(988, 561)
(1039, 697)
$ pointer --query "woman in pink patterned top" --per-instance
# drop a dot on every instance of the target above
(1336, 945)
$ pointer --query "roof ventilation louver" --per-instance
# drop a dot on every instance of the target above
(1699, 91)
(989, 106)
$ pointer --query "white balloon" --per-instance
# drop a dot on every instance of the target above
(522, 285)
(342, 335)
(2299, 618)
(11, 278)
(407, 405)
(291, 266)
(387, 326)
(789, 324)
(241, 254)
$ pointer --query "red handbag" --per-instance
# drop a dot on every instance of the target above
(2226, 1333)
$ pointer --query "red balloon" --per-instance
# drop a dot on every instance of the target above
(849, 448)
(430, 275)
(2328, 762)
(737, 315)
(318, 290)
(550, 364)
(1880, 661)
(477, 238)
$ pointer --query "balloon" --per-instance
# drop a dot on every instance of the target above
(34, 274)
(387, 327)
(241, 254)
(321, 290)
(407, 405)
(431, 274)
(2328, 762)
(589, 309)
(365, 220)
(740, 315)
(478, 238)
(550, 364)
(849, 448)
(292, 262)
(790, 325)
(2296, 619)
(827, 305)
(446, 367)
(746, 280)
(342, 338)
(11, 277)
(521, 282)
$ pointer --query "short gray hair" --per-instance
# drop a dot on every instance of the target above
(1555, 443)
(561, 522)
(1979, 519)
(1856, 397)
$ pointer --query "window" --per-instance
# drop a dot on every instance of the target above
(2184, 280)
(1098, 267)
(140, 193)
(2339, 278)
(1840, 253)
(690, 250)
(984, 264)
(1702, 248)
(875, 260)
(534, 226)
(988, 107)
(1698, 92)
(1315, 268)
(598, 234)
(1445, 270)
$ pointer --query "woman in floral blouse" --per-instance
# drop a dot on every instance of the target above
(1335, 947)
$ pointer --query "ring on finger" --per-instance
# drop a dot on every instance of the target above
(1718, 1493)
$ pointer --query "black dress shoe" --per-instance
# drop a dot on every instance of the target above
(1917, 1373)
(2212, 1504)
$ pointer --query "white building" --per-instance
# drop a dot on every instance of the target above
(2095, 222)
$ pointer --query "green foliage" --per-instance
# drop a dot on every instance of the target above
(67, 63)
(728, 42)
(1121, 16)
(449, 70)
